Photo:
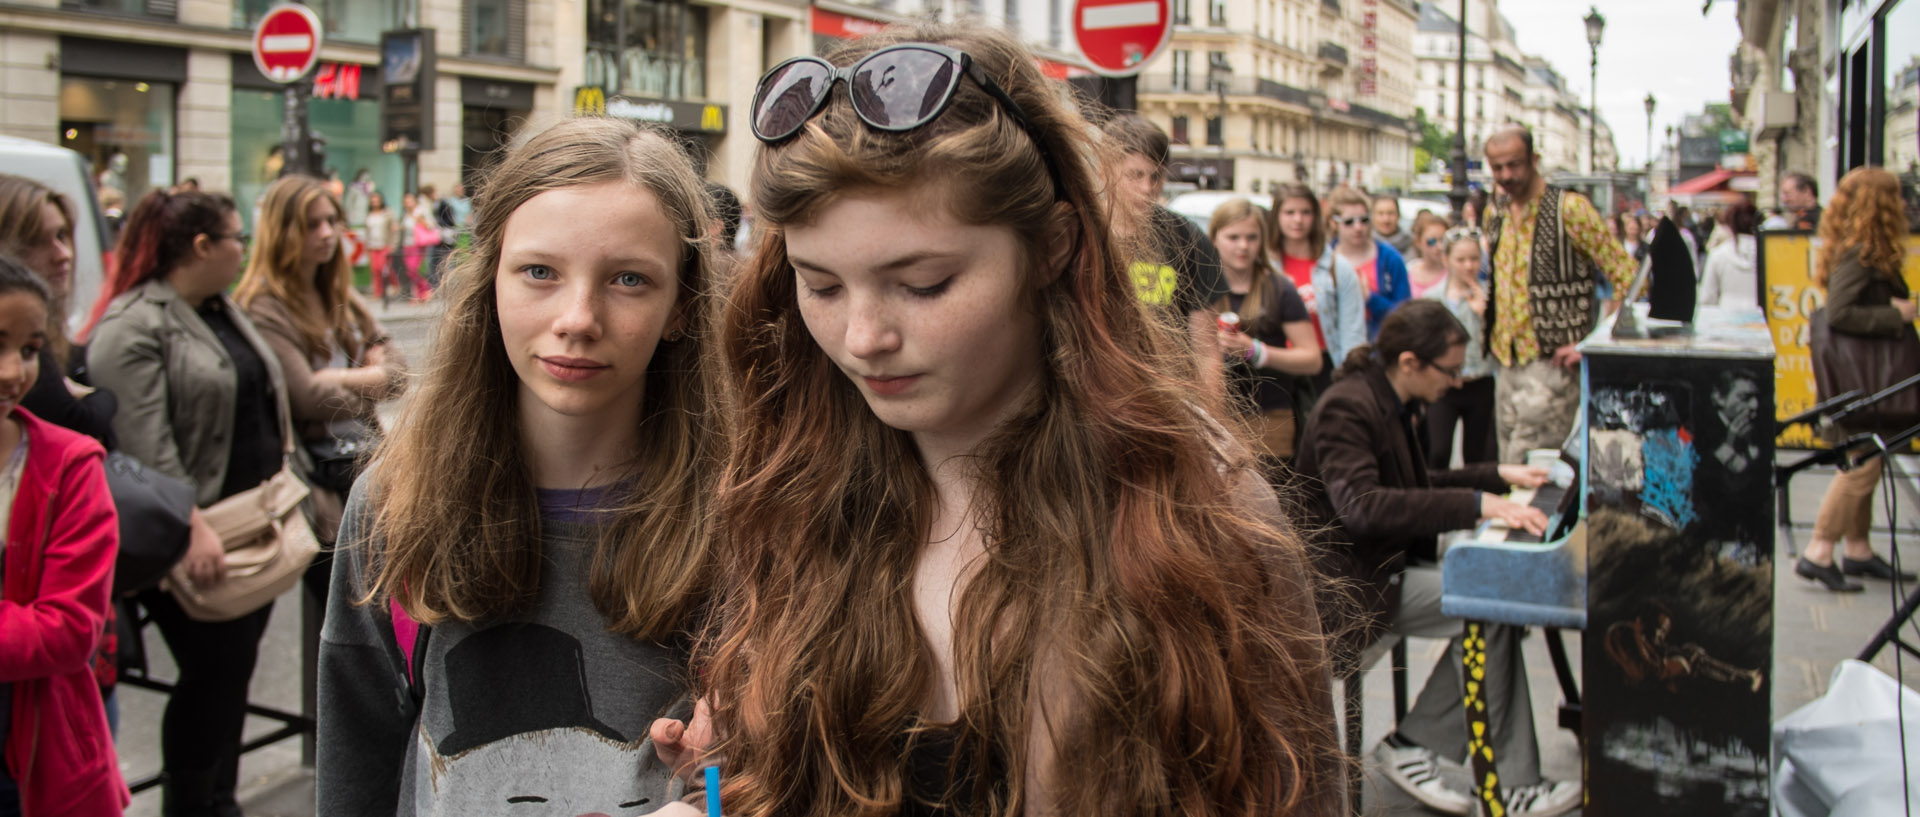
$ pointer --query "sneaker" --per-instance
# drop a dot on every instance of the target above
(1416, 770)
(1546, 798)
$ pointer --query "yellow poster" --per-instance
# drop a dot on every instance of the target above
(1787, 260)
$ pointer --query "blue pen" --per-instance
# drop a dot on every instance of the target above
(713, 791)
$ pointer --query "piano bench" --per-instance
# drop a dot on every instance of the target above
(1354, 706)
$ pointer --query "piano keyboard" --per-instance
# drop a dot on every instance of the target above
(1547, 498)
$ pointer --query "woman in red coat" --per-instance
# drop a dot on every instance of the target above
(57, 573)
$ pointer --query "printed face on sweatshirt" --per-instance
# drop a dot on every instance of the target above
(525, 739)
(566, 772)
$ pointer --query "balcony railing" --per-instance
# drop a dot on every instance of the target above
(1333, 52)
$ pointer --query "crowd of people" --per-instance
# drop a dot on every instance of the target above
(981, 484)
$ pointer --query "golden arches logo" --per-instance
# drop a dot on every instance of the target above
(589, 100)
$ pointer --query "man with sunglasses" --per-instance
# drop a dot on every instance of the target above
(1180, 277)
(1379, 512)
(1550, 249)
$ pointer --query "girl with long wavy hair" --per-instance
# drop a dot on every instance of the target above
(521, 564)
(1863, 245)
(298, 289)
(1335, 297)
(984, 556)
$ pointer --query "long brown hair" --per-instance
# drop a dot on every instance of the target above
(22, 204)
(326, 311)
(1316, 235)
(457, 521)
(1866, 217)
(1123, 582)
(1232, 212)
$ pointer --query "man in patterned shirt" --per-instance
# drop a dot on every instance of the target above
(1550, 251)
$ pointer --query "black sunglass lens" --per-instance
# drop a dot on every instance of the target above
(903, 89)
(787, 97)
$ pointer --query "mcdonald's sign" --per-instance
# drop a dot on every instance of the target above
(694, 117)
(589, 100)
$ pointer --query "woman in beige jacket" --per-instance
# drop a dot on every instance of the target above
(202, 398)
(298, 289)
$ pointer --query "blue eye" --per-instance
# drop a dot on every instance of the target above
(630, 279)
(539, 273)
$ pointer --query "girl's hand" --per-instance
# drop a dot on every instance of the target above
(680, 744)
(206, 559)
(1906, 307)
(1477, 298)
(1234, 345)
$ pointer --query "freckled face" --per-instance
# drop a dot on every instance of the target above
(929, 317)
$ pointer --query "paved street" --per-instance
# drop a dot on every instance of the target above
(1814, 630)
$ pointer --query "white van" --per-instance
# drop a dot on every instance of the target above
(70, 174)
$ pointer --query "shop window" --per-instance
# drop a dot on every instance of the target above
(359, 21)
(494, 28)
(351, 128)
(1178, 134)
(125, 128)
(1900, 113)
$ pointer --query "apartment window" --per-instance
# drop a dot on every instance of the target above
(1182, 12)
(494, 28)
(1215, 136)
(1178, 133)
(647, 48)
(1182, 70)
(1217, 13)
(1440, 110)
(1480, 77)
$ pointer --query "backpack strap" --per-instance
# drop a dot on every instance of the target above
(411, 638)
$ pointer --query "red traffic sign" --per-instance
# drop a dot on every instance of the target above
(1119, 37)
(286, 43)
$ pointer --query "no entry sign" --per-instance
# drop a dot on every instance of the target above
(1119, 37)
(286, 44)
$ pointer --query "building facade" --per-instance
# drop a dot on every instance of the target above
(1505, 85)
(1258, 93)
(154, 92)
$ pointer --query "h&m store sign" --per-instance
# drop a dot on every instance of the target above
(699, 117)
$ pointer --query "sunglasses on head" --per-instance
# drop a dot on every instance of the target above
(1352, 220)
(895, 89)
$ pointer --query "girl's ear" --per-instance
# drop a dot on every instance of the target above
(202, 245)
(1063, 243)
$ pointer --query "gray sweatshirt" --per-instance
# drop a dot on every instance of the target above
(545, 715)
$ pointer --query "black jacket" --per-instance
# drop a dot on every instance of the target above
(1364, 481)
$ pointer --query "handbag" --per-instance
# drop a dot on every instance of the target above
(268, 543)
(1844, 362)
(424, 234)
(337, 457)
(155, 511)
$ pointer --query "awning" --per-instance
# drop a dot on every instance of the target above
(1714, 179)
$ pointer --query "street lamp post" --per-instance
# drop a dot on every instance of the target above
(1457, 195)
(1649, 102)
(1595, 23)
(1219, 72)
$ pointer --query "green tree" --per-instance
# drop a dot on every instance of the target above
(1434, 142)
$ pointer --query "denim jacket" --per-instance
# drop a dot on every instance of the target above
(1342, 303)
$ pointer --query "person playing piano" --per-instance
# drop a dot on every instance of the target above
(1365, 478)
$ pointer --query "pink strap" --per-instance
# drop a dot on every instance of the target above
(405, 631)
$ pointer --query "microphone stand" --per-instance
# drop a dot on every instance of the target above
(1818, 415)
(1890, 631)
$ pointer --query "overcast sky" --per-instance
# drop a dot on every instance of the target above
(1662, 46)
